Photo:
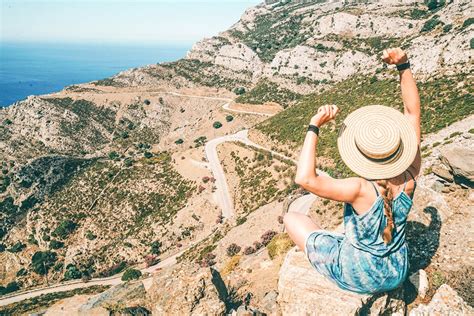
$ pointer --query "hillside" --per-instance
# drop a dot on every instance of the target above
(177, 167)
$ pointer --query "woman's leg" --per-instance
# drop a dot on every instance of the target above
(298, 227)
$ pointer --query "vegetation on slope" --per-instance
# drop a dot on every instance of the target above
(267, 91)
(444, 101)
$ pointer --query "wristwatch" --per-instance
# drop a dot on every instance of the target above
(403, 66)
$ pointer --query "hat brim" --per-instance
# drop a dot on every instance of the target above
(372, 169)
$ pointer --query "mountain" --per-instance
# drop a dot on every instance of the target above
(177, 167)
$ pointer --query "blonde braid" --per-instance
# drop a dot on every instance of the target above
(387, 207)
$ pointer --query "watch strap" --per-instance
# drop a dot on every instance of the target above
(313, 128)
(403, 66)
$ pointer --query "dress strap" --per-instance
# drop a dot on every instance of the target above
(375, 188)
(414, 181)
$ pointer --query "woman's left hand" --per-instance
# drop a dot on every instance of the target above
(324, 115)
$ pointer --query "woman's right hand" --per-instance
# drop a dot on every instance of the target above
(394, 56)
(325, 114)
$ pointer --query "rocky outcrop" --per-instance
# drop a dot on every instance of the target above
(303, 291)
(461, 163)
(445, 302)
(187, 290)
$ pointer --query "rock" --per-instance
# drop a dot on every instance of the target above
(186, 290)
(71, 305)
(437, 186)
(445, 302)
(302, 290)
(420, 280)
(443, 173)
(120, 297)
(269, 302)
(461, 162)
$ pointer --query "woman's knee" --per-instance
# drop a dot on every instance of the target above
(288, 219)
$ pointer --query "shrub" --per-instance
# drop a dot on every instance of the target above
(257, 245)
(11, 287)
(267, 237)
(233, 249)
(19, 246)
(239, 90)
(113, 155)
(72, 273)
(42, 261)
(147, 102)
(155, 247)
(472, 43)
(447, 28)
(431, 24)
(249, 250)
(55, 244)
(161, 101)
(2, 247)
(21, 272)
(207, 260)
(90, 235)
(147, 154)
(131, 274)
(217, 125)
(7, 122)
(280, 244)
(434, 4)
(241, 220)
(205, 179)
(179, 141)
(116, 268)
(467, 22)
(64, 229)
(229, 118)
(280, 219)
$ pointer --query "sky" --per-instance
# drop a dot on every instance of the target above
(117, 21)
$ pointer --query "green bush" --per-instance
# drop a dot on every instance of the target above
(447, 28)
(90, 235)
(239, 90)
(21, 272)
(155, 247)
(19, 246)
(131, 274)
(147, 154)
(472, 43)
(42, 261)
(431, 24)
(64, 229)
(72, 272)
(229, 118)
(267, 91)
(467, 22)
(113, 155)
(11, 287)
(56, 244)
(217, 125)
(233, 249)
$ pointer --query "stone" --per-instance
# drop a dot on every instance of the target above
(187, 289)
(269, 302)
(443, 173)
(437, 186)
(461, 162)
(302, 290)
(445, 302)
(420, 280)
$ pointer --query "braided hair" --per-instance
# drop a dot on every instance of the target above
(387, 196)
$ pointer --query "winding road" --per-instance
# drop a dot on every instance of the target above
(301, 205)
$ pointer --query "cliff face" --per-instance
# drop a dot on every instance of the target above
(116, 173)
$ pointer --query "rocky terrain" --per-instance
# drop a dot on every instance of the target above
(149, 170)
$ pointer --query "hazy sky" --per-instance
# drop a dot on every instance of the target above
(117, 21)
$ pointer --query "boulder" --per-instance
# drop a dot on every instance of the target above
(303, 291)
(443, 173)
(187, 290)
(461, 162)
(445, 302)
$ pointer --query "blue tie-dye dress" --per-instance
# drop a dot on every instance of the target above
(359, 260)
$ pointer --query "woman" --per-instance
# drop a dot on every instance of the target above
(381, 145)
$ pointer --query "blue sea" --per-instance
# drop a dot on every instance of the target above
(40, 68)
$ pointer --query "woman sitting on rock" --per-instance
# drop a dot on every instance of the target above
(381, 145)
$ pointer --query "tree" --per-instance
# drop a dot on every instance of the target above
(64, 229)
(217, 125)
(147, 102)
(113, 155)
(131, 274)
(148, 154)
(19, 246)
(42, 261)
(239, 90)
(72, 272)
(229, 118)
(56, 244)
(179, 141)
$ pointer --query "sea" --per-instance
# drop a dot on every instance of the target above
(41, 68)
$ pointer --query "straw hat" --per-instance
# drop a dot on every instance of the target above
(377, 142)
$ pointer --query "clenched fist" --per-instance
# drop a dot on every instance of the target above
(394, 56)
(324, 115)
